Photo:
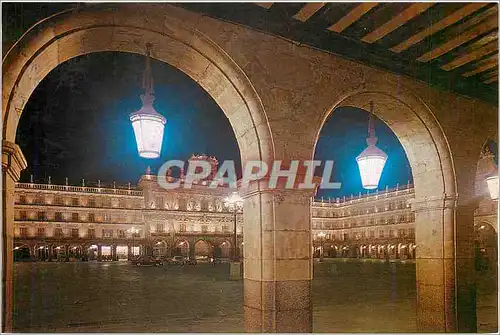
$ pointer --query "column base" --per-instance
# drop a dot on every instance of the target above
(235, 272)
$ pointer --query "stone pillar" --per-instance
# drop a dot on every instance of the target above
(129, 252)
(277, 261)
(445, 266)
(113, 252)
(50, 252)
(13, 163)
(99, 252)
(32, 253)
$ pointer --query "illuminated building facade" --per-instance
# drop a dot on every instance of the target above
(111, 223)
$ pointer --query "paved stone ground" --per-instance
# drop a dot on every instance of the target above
(117, 297)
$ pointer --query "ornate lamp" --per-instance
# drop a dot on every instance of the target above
(148, 124)
(493, 186)
(372, 160)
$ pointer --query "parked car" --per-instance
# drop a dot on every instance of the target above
(191, 261)
(148, 261)
(178, 260)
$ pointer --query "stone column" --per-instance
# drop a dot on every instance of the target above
(113, 252)
(13, 163)
(277, 261)
(129, 252)
(99, 252)
(445, 266)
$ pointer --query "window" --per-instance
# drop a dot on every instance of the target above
(372, 233)
(182, 227)
(58, 232)
(40, 232)
(159, 202)
(204, 228)
(121, 233)
(391, 233)
(92, 202)
(107, 217)
(372, 221)
(401, 218)
(74, 232)
(91, 233)
(58, 216)
(363, 234)
(23, 231)
(390, 220)
(58, 201)
(346, 236)
(39, 200)
(381, 234)
(91, 217)
(107, 233)
(411, 232)
(401, 232)
(22, 215)
(22, 199)
(74, 202)
(159, 228)
(42, 216)
(106, 202)
(75, 217)
(121, 203)
(412, 217)
(225, 228)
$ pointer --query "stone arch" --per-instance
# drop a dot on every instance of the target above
(203, 248)
(417, 129)
(442, 219)
(175, 41)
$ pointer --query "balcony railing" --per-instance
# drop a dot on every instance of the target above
(81, 189)
(363, 197)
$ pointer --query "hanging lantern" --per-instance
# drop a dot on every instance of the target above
(148, 124)
(493, 186)
(372, 160)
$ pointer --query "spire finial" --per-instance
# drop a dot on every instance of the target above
(31, 178)
(66, 181)
(50, 180)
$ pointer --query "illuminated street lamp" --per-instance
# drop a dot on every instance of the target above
(133, 231)
(148, 124)
(322, 240)
(372, 160)
(234, 202)
(493, 186)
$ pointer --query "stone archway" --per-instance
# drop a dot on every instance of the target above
(77, 32)
(203, 249)
(443, 226)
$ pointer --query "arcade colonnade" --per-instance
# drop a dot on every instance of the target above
(277, 95)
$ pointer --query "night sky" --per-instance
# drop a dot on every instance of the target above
(76, 125)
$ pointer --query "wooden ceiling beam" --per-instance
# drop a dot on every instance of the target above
(462, 38)
(265, 5)
(490, 75)
(469, 57)
(438, 26)
(480, 69)
(353, 16)
(308, 10)
(397, 21)
(491, 80)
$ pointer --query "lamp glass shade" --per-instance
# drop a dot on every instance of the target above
(148, 130)
(371, 163)
(493, 186)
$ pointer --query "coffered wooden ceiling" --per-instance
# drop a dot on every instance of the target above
(452, 46)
